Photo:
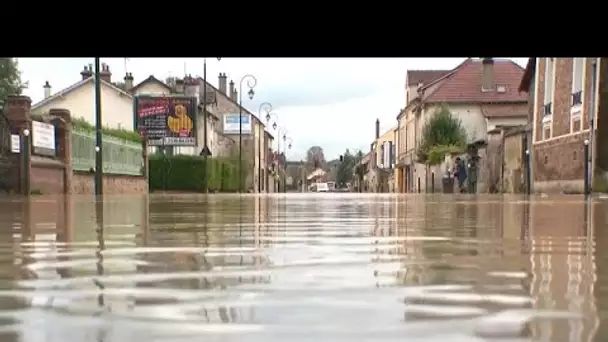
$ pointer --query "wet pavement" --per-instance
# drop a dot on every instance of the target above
(301, 267)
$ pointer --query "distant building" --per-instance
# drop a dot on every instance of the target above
(79, 98)
(117, 112)
(317, 176)
(381, 176)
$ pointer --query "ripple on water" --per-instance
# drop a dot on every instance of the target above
(299, 267)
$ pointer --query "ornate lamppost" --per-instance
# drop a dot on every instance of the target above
(205, 152)
(288, 141)
(251, 83)
(282, 134)
(267, 108)
(274, 127)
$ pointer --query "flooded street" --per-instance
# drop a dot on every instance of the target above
(303, 267)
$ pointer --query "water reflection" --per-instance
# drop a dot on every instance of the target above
(332, 266)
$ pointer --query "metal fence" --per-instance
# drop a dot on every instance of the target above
(120, 157)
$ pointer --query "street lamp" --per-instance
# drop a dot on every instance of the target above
(206, 152)
(266, 107)
(274, 127)
(251, 82)
(276, 118)
(288, 144)
(280, 131)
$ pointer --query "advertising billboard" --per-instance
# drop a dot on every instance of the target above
(231, 124)
(166, 120)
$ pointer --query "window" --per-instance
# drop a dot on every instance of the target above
(575, 124)
(501, 88)
(578, 64)
(547, 131)
(548, 93)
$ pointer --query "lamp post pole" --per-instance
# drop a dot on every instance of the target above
(285, 139)
(274, 127)
(251, 82)
(267, 108)
(206, 152)
(281, 132)
(98, 135)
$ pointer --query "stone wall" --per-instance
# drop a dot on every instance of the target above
(513, 174)
(47, 176)
(54, 174)
(559, 164)
(83, 183)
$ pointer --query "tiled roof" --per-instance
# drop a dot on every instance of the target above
(509, 110)
(526, 79)
(75, 86)
(424, 76)
(463, 84)
(153, 79)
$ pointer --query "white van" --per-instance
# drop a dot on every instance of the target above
(322, 187)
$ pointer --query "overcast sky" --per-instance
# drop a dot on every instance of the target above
(330, 102)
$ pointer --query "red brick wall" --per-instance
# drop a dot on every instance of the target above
(46, 179)
(540, 74)
(560, 159)
(587, 93)
(562, 97)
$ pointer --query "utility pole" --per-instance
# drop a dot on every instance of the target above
(205, 152)
(98, 135)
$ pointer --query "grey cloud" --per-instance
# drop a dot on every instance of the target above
(309, 94)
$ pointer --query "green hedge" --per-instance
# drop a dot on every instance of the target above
(187, 173)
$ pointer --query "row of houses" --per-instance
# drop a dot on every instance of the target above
(529, 126)
(117, 112)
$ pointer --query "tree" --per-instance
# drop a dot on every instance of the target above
(442, 134)
(345, 169)
(315, 158)
(10, 78)
(359, 170)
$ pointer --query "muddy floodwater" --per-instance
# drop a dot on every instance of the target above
(303, 267)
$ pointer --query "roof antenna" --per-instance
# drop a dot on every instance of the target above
(126, 60)
(185, 73)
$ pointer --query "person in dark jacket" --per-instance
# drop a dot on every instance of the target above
(460, 174)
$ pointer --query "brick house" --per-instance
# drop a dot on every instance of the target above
(565, 105)
(482, 93)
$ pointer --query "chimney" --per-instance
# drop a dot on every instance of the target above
(86, 72)
(487, 74)
(105, 73)
(47, 89)
(232, 91)
(222, 82)
(128, 81)
(377, 128)
(179, 85)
